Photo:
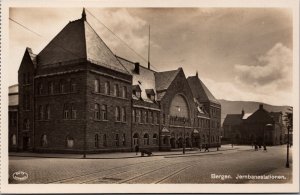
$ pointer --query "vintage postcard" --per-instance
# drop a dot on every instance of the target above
(149, 96)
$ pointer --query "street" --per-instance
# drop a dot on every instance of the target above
(222, 166)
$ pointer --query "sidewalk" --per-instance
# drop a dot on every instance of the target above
(120, 155)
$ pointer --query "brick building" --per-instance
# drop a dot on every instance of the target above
(260, 127)
(77, 96)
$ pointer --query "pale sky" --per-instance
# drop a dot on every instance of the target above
(239, 53)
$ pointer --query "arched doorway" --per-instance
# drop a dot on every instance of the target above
(180, 142)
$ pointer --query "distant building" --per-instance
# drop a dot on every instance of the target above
(260, 127)
(77, 96)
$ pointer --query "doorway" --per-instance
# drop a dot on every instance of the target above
(26, 143)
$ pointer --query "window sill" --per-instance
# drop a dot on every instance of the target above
(108, 95)
(121, 122)
(99, 120)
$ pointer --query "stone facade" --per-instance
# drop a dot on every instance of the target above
(98, 102)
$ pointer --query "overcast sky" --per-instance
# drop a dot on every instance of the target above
(239, 53)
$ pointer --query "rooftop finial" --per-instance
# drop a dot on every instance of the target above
(83, 15)
(197, 73)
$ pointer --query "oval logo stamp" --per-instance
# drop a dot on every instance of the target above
(20, 176)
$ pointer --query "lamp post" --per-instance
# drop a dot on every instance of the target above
(287, 165)
(183, 147)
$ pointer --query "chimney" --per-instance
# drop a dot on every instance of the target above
(197, 73)
(261, 106)
(243, 113)
(137, 68)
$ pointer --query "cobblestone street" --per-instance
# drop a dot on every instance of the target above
(172, 167)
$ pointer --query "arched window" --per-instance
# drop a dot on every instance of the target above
(26, 124)
(146, 139)
(179, 107)
(136, 139)
(106, 88)
(73, 112)
(116, 90)
(41, 113)
(103, 112)
(123, 114)
(70, 142)
(14, 139)
(97, 112)
(66, 111)
(47, 117)
(44, 141)
(124, 92)
(117, 114)
(96, 86)
(155, 138)
(96, 141)
(62, 86)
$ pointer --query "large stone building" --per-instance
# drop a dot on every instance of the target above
(260, 127)
(77, 96)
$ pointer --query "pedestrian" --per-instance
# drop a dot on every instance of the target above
(256, 148)
(265, 147)
(259, 146)
(232, 145)
(137, 149)
(206, 148)
(252, 144)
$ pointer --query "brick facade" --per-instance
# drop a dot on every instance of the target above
(103, 103)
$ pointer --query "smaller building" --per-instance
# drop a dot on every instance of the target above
(261, 127)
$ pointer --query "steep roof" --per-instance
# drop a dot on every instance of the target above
(260, 116)
(145, 79)
(200, 91)
(233, 119)
(164, 79)
(77, 41)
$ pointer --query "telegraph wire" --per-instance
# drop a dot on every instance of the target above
(120, 38)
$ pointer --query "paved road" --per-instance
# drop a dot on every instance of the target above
(191, 168)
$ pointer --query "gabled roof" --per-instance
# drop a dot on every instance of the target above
(164, 79)
(200, 91)
(260, 116)
(78, 41)
(233, 119)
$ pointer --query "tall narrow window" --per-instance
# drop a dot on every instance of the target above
(116, 90)
(72, 86)
(97, 112)
(40, 88)
(24, 78)
(117, 114)
(62, 86)
(70, 142)
(124, 139)
(106, 88)
(123, 114)
(103, 112)
(50, 88)
(96, 86)
(124, 92)
(136, 139)
(138, 116)
(154, 139)
(104, 140)
(96, 141)
(117, 140)
(66, 111)
(133, 116)
(14, 139)
(73, 112)
(47, 117)
(26, 125)
(41, 113)
(146, 139)
(28, 102)
(44, 141)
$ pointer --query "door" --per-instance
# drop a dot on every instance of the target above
(26, 143)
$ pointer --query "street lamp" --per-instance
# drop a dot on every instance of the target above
(287, 165)
(183, 148)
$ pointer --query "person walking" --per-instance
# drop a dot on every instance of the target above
(265, 148)
(206, 148)
(137, 149)
(255, 147)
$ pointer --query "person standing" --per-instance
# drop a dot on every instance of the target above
(137, 149)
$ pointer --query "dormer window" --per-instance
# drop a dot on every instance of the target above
(136, 90)
(150, 94)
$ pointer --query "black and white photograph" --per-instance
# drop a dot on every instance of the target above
(192, 95)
